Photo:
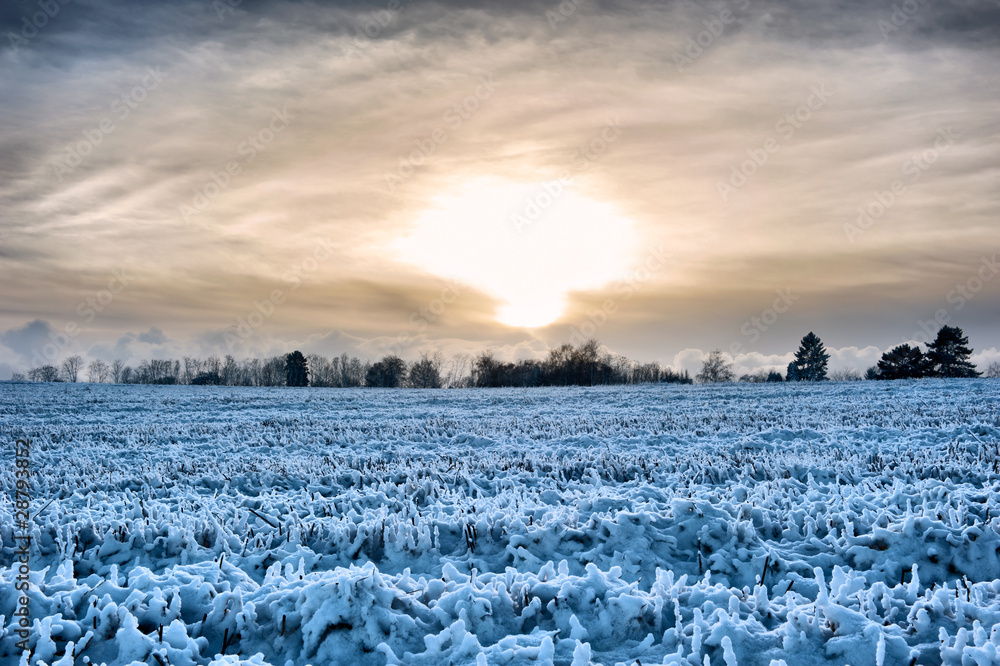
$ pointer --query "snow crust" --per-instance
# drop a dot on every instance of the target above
(731, 526)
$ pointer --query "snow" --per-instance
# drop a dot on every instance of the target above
(729, 525)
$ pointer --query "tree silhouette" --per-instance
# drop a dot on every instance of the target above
(715, 369)
(117, 367)
(948, 355)
(810, 360)
(206, 379)
(71, 368)
(97, 371)
(387, 373)
(902, 362)
(46, 373)
(426, 373)
(296, 370)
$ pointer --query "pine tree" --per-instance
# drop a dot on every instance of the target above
(948, 355)
(296, 370)
(902, 362)
(810, 360)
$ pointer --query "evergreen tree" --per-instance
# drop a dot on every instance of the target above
(296, 370)
(948, 355)
(810, 360)
(902, 362)
(792, 373)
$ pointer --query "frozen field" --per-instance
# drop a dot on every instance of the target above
(744, 524)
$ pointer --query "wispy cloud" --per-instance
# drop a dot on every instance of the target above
(361, 101)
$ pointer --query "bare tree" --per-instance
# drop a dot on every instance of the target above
(320, 371)
(336, 371)
(353, 370)
(253, 371)
(715, 369)
(993, 371)
(97, 372)
(71, 367)
(846, 375)
(46, 373)
(192, 368)
(458, 371)
(213, 365)
(272, 371)
(117, 368)
(229, 371)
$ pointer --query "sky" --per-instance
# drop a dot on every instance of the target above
(249, 178)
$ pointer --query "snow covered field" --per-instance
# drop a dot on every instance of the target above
(743, 524)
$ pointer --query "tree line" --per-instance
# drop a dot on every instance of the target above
(585, 365)
(947, 357)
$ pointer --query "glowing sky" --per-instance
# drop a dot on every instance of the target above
(670, 177)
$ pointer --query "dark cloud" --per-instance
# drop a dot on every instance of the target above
(28, 338)
(154, 336)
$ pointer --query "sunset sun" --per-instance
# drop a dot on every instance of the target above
(526, 245)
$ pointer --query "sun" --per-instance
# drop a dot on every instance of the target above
(527, 245)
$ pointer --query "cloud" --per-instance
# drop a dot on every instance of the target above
(154, 336)
(147, 345)
(848, 358)
(98, 162)
(29, 338)
(985, 357)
